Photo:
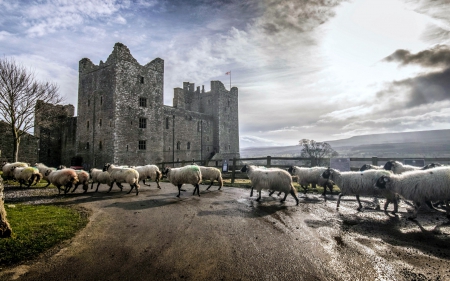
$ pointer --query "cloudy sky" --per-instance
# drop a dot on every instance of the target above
(315, 69)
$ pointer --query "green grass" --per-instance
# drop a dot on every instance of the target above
(37, 228)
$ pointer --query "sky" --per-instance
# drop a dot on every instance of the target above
(305, 69)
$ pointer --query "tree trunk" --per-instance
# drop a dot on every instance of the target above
(5, 228)
(16, 147)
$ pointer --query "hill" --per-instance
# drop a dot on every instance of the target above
(435, 143)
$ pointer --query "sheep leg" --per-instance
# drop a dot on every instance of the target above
(92, 185)
(359, 203)
(395, 206)
(211, 183)
(119, 185)
(293, 195)
(179, 190)
(259, 196)
(197, 187)
(448, 209)
(305, 189)
(76, 186)
(430, 205)
(284, 199)
(157, 183)
(48, 183)
(97, 187)
(377, 204)
(251, 192)
(338, 201)
(110, 187)
(416, 208)
(143, 181)
(132, 186)
(272, 192)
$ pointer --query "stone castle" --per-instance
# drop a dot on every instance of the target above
(122, 119)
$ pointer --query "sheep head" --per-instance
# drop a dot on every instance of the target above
(381, 182)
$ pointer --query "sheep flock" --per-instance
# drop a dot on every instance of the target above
(392, 181)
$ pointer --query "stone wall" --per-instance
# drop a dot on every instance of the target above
(28, 148)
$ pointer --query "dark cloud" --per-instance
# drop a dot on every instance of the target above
(437, 56)
(301, 16)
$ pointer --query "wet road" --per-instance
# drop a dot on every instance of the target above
(226, 235)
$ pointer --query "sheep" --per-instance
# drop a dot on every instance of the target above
(419, 186)
(8, 172)
(313, 176)
(360, 183)
(26, 175)
(64, 177)
(99, 176)
(149, 172)
(123, 175)
(273, 179)
(211, 174)
(370, 167)
(189, 174)
(83, 179)
(45, 171)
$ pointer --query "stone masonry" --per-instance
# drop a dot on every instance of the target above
(122, 118)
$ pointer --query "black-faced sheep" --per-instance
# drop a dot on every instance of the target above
(189, 174)
(360, 183)
(65, 177)
(151, 172)
(212, 174)
(313, 176)
(271, 179)
(100, 177)
(8, 171)
(122, 175)
(370, 167)
(419, 186)
(45, 171)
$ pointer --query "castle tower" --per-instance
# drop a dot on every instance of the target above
(120, 110)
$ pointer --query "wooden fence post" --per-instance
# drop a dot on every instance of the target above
(375, 161)
(233, 173)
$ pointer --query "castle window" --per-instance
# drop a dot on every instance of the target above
(101, 100)
(142, 102)
(199, 126)
(178, 145)
(142, 145)
(87, 125)
(100, 145)
(87, 145)
(141, 79)
(188, 146)
(167, 122)
(100, 122)
(127, 147)
(229, 147)
(142, 123)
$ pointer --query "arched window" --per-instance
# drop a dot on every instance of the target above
(188, 146)
(178, 145)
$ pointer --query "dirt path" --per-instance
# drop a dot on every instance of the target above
(226, 235)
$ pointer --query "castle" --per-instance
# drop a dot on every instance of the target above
(122, 119)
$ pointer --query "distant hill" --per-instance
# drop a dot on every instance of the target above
(435, 143)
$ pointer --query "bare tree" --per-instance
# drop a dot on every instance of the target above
(19, 92)
(317, 151)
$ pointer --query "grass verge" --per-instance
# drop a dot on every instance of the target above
(37, 228)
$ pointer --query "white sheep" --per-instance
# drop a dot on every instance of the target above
(8, 172)
(313, 176)
(149, 172)
(122, 175)
(272, 179)
(45, 171)
(212, 174)
(189, 174)
(419, 186)
(26, 175)
(361, 183)
(83, 179)
(64, 177)
(100, 177)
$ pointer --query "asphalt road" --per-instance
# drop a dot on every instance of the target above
(227, 235)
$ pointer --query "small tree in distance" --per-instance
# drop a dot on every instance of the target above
(317, 151)
(19, 92)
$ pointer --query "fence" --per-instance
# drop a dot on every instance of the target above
(236, 164)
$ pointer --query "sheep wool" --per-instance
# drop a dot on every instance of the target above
(313, 176)
(189, 174)
(8, 171)
(272, 179)
(64, 177)
(212, 174)
(100, 177)
(83, 179)
(370, 167)
(151, 172)
(45, 171)
(419, 186)
(360, 183)
(26, 175)
(397, 167)
(122, 175)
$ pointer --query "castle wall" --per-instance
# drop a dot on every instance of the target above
(182, 127)
(28, 147)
